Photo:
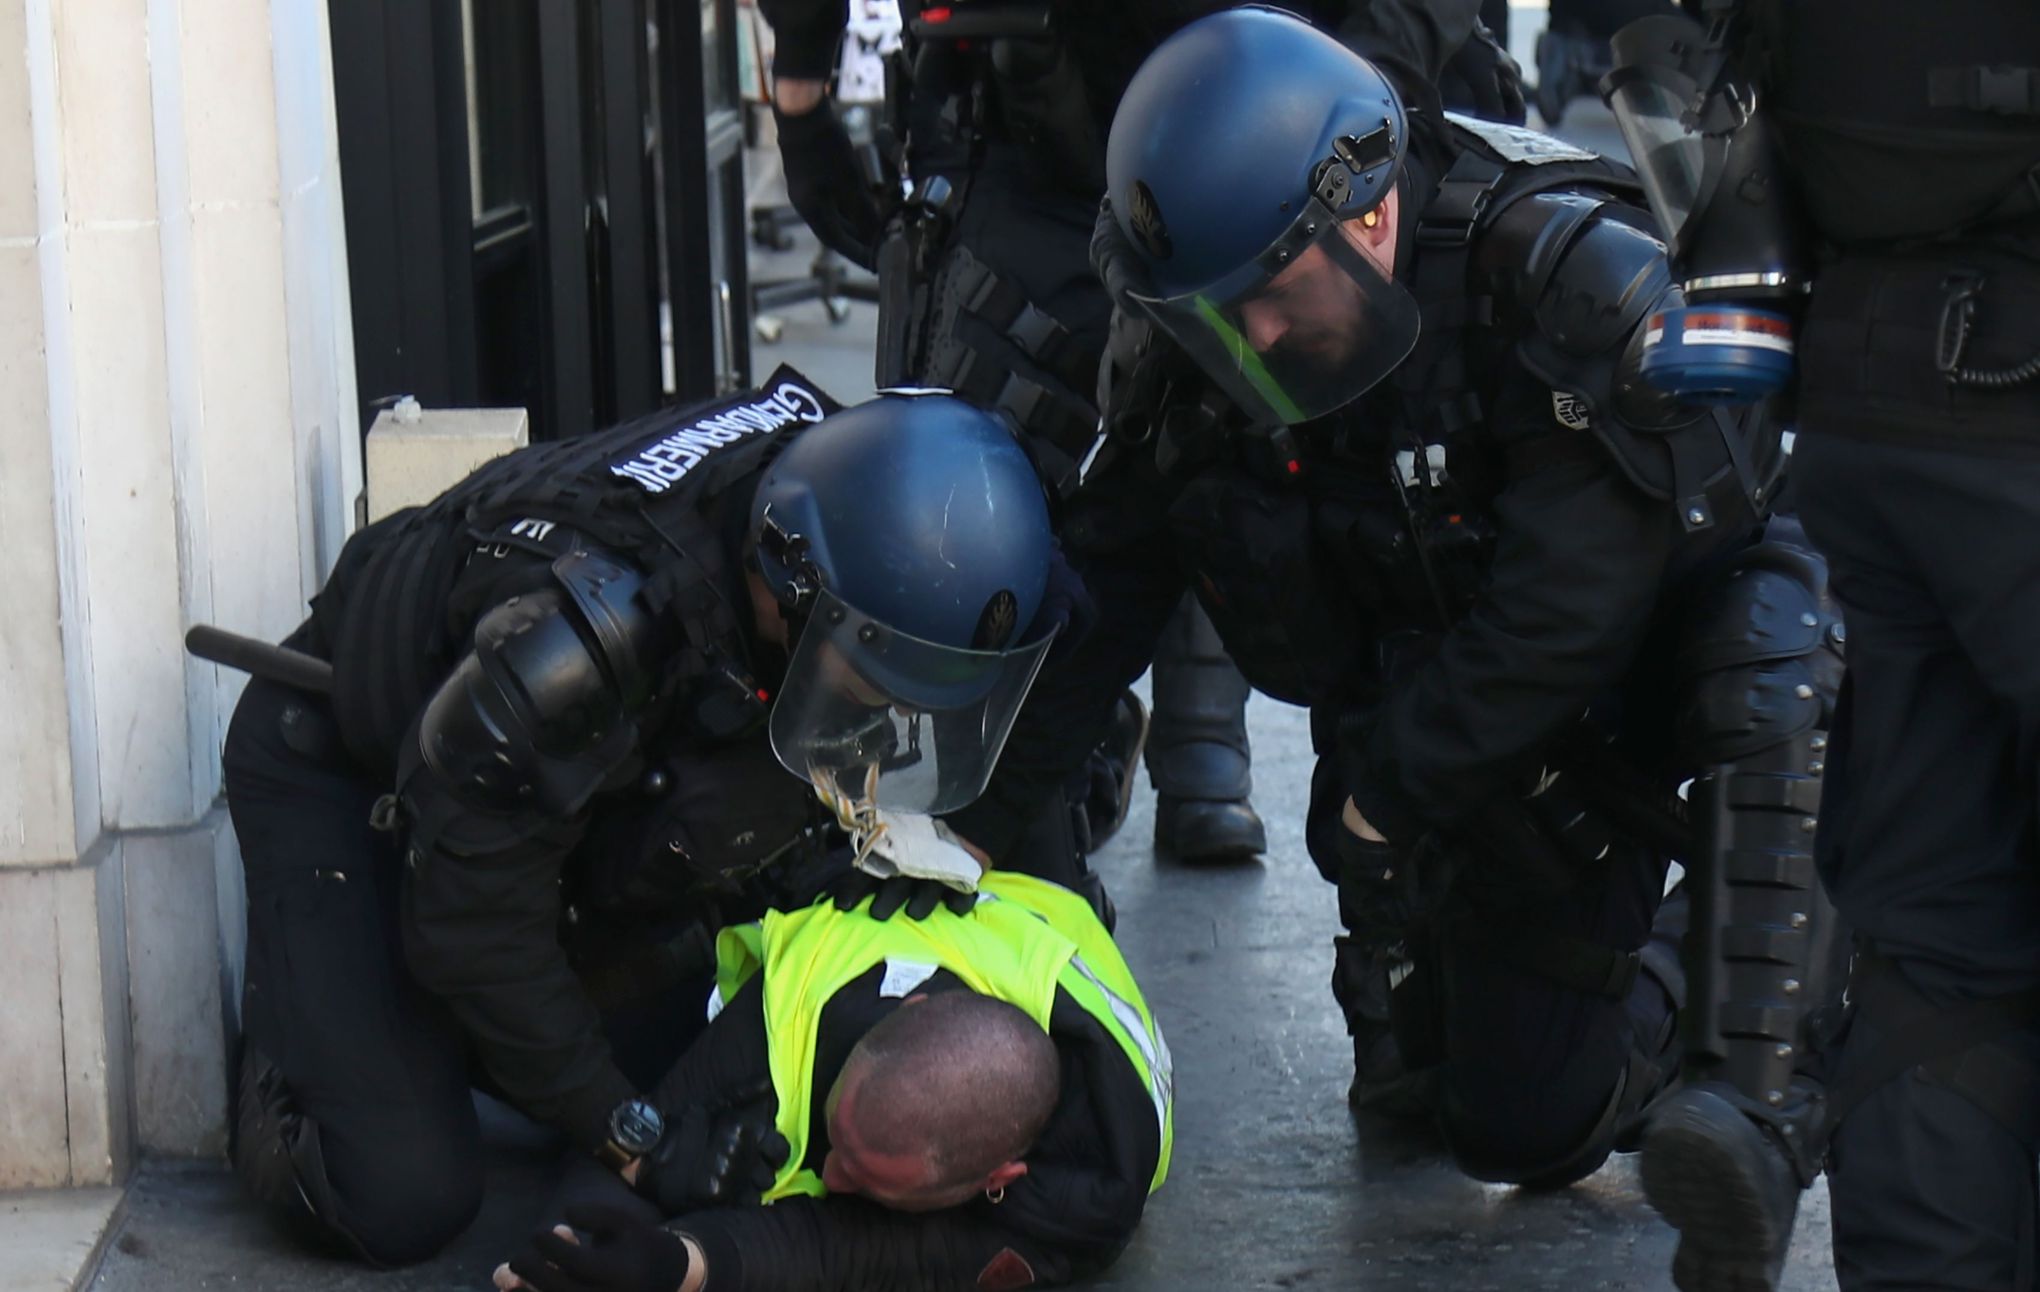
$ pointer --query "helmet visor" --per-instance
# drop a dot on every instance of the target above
(1654, 96)
(910, 724)
(1306, 328)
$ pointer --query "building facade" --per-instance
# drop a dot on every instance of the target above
(178, 443)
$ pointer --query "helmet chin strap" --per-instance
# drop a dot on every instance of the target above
(857, 813)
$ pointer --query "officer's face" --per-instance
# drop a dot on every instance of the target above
(838, 674)
(1313, 314)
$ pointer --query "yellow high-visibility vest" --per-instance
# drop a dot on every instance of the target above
(1024, 939)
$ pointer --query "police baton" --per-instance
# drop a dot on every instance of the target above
(261, 659)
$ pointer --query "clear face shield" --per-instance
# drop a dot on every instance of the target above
(1310, 324)
(1658, 103)
(871, 715)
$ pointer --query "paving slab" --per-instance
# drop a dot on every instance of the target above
(48, 1236)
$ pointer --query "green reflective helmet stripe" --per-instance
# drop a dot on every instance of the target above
(1250, 365)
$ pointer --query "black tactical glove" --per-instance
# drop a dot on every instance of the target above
(721, 1155)
(1149, 387)
(617, 1252)
(919, 897)
(1117, 261)
(825, 184)
(1481, 77)
(1065, 604)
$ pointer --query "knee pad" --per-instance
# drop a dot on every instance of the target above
(1760, 659)
(1498, 1150)
(1492, 1146)
(416, 1206)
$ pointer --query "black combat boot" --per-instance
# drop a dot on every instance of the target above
(275, 1150)
(1726, 1183)
(1197, 752)
(1103, 790)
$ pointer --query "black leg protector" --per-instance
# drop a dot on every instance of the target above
(1725, 1158)
(1764, 952)
(1197, 751)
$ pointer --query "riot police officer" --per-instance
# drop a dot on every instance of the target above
(1374, 387)
(1000, 119)
(574, 707)
(987, 290)
(1890, 162)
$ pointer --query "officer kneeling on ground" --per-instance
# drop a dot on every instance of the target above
(1418, 485)
(991, 1080)
(545, 769)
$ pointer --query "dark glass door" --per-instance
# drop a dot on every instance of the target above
(541, 196)
(702, 187)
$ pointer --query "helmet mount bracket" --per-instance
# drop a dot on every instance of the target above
(802, 582)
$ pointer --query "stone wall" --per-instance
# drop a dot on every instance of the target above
(178, 444)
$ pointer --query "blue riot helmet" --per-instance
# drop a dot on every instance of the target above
(1714, 180)
(908, 543)
(1250, 165)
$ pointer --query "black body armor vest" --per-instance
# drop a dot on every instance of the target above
(406, 592)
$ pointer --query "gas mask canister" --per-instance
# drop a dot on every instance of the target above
(1711, 171)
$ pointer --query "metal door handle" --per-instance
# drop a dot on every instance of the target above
(726, 300)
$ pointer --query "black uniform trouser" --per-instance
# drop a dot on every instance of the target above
(1927, 841)
(1534, 1068)
(1528, 1067)
(377, 1067)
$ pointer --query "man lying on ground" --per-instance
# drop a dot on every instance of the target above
(964, 1100)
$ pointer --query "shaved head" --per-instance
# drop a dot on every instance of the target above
(939, 1097)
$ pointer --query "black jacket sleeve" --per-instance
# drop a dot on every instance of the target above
(481, 934)
(480, 918)
(806, 35)
(729, 1057)
(1117, 538)
(839, 1244)
(1581, 554)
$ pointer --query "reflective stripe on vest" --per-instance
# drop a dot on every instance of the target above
(1025, 939)
(1137, 1033)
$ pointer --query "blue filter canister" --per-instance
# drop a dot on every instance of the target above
(1718, 354)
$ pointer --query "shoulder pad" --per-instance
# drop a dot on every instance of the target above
(1589, 274)
(1583, 274)
(608, 593)
(539, 712)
